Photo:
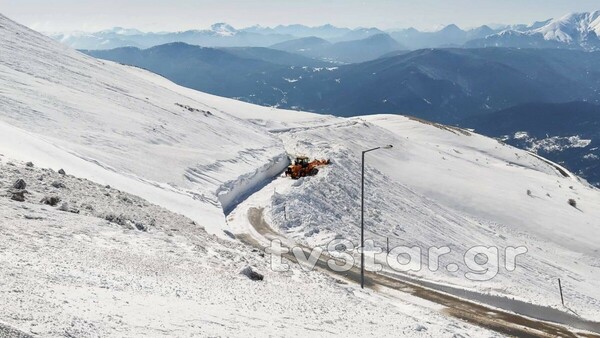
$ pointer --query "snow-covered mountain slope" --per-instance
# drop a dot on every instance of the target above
(109, 263)
(441, 186)
(199, 155)
(572, 27)
(575, 31)
(101, 120)
(223, 29)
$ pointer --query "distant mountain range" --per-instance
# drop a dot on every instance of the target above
(444, 85)
(517, 95)
(449, 36)
(353, 51)
(301, 31)
(573, 31)
(219, 35)
(239, 72)
(534, 86)
(447, 85)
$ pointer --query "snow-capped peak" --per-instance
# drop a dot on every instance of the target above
(509, 32)
(571, 27)
(123, 31)
(223, 29)
(595, 22)
(575, 30)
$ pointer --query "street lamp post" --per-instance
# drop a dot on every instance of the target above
(362, 215)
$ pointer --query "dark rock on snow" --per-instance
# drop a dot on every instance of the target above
(20, 184)
(18, 196)
(58, 185)
(50, 200)
(65, 207)
(250, 273)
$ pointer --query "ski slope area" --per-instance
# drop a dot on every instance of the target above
(441, 186)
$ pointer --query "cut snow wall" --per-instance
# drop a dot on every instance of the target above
(232, 193)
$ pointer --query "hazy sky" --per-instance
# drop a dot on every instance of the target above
(163, 15)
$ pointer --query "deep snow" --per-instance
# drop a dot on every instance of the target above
(190, 156)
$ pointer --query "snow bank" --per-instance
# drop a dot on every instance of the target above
(233, 192)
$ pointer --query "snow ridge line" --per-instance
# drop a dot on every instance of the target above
(233, 192)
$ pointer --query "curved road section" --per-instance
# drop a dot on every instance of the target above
(507, 316)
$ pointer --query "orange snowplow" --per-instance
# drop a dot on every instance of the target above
(301, 167)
